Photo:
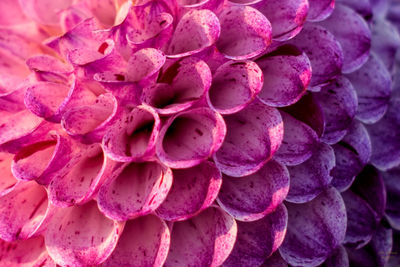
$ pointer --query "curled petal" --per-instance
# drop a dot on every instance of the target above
(144, 63)
(338, 100)
(81, 236)
(320, 9)
(391, 179)
(144, 242)
(287, 74)
(245, 32)
(137, 189)
(253, 197)
(210, 236)
(254, 134)
(325, 218)
(257, 240)
(235, 85)
(193, 190)
(309, 179)
(190, 137)
(7, 180)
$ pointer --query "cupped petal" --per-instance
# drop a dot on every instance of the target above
(287, 74)
(257, 240)
(144, 242)
(195, 31)
(210, 236)
(144, 63)
(315, 229)
(245, 32)
(7, 179)
(339, 258)
(254, 135)
(24, 211)
(310, 178)
(323, 50)
(135, 190)
(392, 212)
(351, 153)
(373, 85)
(253, 197)
(193, 190)
(299, 141)
(133, 137)
(190, 137)
(320, 9)
(81, 236)
(235, 85)
(339, 101)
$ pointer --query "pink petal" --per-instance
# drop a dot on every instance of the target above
(144, 63)
(287, 74)
(253, 197)
(320, 9)
(190, 137)
(254, 134)
(104, 11)
(235, 85)
(48, 68)
(44, 11)
(245, 32)
(81, 236)
(135, 190)
(193, 190)
(210, 236)
(18, 44)
(7, 180)
(12, 71)
(12, 14)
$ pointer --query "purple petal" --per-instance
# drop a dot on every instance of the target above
(382, 244)
(320, 9)
(81, 236)
(257, 240)
(149, 247)
(190, 137)
(193, 190)
(210, 236)
(339, 258)
(245, 32)
(7, 180)
(287, 74)
(252, 197)
(235, 85)
(135, 190)
(315, 229)
(362, 7)
(392, 212)
(275, 260)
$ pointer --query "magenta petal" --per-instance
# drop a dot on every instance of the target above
(193, 190)
(7, 180)
(373, 86)
(254, 134)
(235, 85)
(323, 50)
(245, 32)
(253, 197)
(210, 236)
(339, 258)
(196, 30)
(24, 211)
(391, 179)
(190, 137)
(144, 242)
(135, 190)
(325, 221)
(299, 141)
(353, 34)
(287, 74)
(259, 239)
(81, 236)
(320, 9)
(309, 179)
(338, 100)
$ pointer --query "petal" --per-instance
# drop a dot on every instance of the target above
(253, 136)
(259, 239)
(7, 179)
(339, 258)
(48, 68)
(18, 45)
(81, 236)
(275, 260)
(287, 74)
(363, 7)
(135, 190)
(373, 85)
(13, 14)
(190, 137)
(314, 230)
(252, 197)
(193, 190)
(44, 11)
(310, 178)
(320, 9)
(196, 30)
(144, 63)
(235, 85)
(245, 32)
(148, 247)
(210, 237)
(391, 179)
(382, 244)
(299, 141)
(338, 100)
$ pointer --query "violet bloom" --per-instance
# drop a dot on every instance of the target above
(199, 133)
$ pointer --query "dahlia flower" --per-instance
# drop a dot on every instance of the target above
(199, 133)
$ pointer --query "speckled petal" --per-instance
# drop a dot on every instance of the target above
(320, 9)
